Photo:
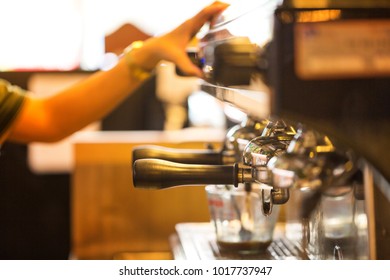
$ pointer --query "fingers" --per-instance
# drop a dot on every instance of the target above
(171, 46)
(194, 25)
(211, 11)
(207, 15)
(187, 67)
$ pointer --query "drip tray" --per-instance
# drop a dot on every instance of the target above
(196, 241)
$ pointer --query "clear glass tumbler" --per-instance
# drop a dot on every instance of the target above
(239, 222)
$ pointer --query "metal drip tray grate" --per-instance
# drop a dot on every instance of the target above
(282, 249)
(196, 241)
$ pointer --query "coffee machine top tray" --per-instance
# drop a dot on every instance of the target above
(252, 101)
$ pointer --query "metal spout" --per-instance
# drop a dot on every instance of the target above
(257, 153)
(267, 203)
(280, 196)
(311, 163)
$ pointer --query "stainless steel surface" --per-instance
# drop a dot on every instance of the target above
(196, 241)
(254, 100)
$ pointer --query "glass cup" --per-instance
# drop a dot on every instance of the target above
(339, 236)
(239, 222)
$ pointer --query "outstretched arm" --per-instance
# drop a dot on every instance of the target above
(55, 117)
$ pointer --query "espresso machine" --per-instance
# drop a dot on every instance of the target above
(324, 69)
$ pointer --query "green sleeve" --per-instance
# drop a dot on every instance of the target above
(11, 99)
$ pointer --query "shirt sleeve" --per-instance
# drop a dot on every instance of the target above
(11, 100)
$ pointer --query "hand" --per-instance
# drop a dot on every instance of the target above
(172, 46)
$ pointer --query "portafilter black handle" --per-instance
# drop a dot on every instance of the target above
(189, 156)
(161, 174)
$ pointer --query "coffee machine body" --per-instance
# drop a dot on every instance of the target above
(328, 70)
(323, 68)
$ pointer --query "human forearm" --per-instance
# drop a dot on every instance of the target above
(53, 118)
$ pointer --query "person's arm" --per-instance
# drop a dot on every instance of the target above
(55, 117)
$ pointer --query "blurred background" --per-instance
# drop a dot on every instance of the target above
(66, 34)
(47, 45)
